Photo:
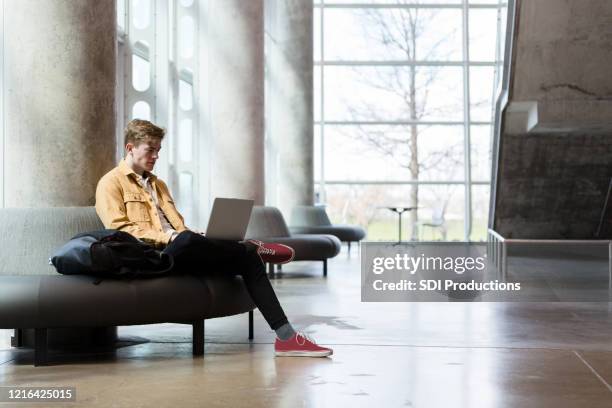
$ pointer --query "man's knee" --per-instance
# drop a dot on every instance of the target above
(254, 263)
(189, 237)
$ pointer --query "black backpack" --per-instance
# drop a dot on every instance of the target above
(110, 253)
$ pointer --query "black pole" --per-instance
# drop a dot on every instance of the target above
(399, 214)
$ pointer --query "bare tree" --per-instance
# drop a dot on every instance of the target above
(354, 204)
(397, 33)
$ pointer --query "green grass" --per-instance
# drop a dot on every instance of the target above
(387, 231)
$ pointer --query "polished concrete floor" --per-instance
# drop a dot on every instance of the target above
(385, 355)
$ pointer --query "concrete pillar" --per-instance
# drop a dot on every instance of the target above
(563, 56)
(59, 92)
(235, 98)
(556, 142)
(289, 98)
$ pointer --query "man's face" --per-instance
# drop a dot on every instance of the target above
(145, 154)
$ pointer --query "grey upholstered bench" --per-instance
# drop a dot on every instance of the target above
(307, 219)
(268, 224)
(34, 296)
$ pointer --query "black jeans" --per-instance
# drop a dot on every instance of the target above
(196, 254)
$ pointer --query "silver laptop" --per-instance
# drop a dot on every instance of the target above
(229, 219)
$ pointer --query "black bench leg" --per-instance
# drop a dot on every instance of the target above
(325, 267)
(17, 339)
(198, 337)
(40, 347)
(251, 325)
(349, 247)
(271, 270)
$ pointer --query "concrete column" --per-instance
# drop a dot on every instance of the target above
(59, 92)
(289, 98)
(556, 143)
(235, 99)
(563, 54)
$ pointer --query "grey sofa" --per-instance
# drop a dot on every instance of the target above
(308, 219)
(268, 224)
(34, 296)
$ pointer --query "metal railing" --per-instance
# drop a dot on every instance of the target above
(497, 248)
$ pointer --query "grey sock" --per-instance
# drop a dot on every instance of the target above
(285, 332)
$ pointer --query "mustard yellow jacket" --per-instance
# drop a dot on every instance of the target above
(123, 204)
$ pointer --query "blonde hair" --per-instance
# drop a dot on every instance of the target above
(139, 131)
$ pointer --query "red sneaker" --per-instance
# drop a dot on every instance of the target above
(273, 253)
(300, 345)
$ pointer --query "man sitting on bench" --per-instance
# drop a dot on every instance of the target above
(132, 199)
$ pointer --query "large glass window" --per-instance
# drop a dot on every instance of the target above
(404, 94)
(157, 68)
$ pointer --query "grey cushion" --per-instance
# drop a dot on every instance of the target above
(344, 233)
(268, 224)
(28, 236)
(309, 215)
(33, 294)
(314, 220)
(74, 301)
